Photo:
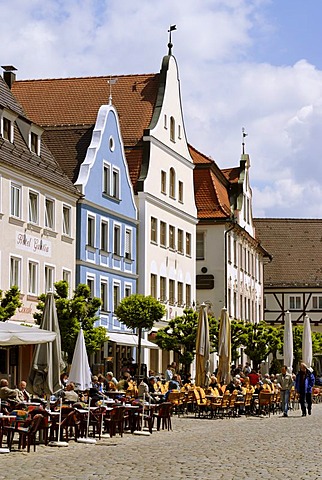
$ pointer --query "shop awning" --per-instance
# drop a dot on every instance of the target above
(129, 340)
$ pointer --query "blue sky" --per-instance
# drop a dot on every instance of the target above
(243, 63)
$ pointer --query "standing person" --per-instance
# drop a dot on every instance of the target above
(303, 385)
(285, 382)
(168, 374)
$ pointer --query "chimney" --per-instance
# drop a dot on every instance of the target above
(8, 75)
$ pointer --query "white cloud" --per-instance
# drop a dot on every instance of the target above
(223, 88)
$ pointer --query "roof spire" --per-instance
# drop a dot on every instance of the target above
(243, 142)
(111, 81)
(170, 44)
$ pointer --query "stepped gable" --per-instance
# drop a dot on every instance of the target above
(17, 155)
(296, 247)
(211, 187)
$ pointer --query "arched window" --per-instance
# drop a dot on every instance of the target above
(172, 129)
(172, 189)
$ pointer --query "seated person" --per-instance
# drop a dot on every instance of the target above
(69, 394)
(124, 383)
(143, 389)
(174, 383)
(10, 394)
(234, 385)
(110, 378)
(213, 382)
(22, 388)
(102, 382)
(258, 387)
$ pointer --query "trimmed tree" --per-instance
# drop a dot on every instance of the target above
(9, 302)
(139, 312)
(259, 340)
(74, 313)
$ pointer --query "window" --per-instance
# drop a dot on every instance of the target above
(172, 297)
(180, 191)
(128, 244)
(200, 246)
(67, 277)
(116, 295)
(15, 272)
(172, 129)
(66, 220)
(154, 230)
(180, 294)
(317, 303)
(295, 303)
(229, 248)
(91, 231)
(49, 278)
(172, 239)
(172, 185)
(91, 285)
(165, 121)
(15, 209)
(188, 295)
(33, 207)
(106, 179)
(235, 252)
(115, 183)
(104, 236)
(163, 289)
(180, 241)
(117, 240)
(163, 182)
(49, 213)
(153, 286)
(104, 296)
(34, 143)
(188, 244)
(128, 291)
(163, 234)
(7, 129)
(32, 278)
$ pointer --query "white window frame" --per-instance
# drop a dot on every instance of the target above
(295, 302)
(33, 277)
(127, 290)
(90, 282)
(34, 146)
(16, 275)
(116, 288)
(49, 223)
(104, 295)
(117, 229)
(163, 182)
(33, 207)
(200, 245)
(67, 277)
(172, 183)
(15, 200)
(180, 191)
(49, 280)
(104, 242)
(188, 244)
(116, 183)
(154, 231)
(128, 244)
(163, 234)
(91, 231)
(106, 178)
(172, 237)
(67, 220)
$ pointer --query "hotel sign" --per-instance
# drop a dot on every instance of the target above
(32, 244)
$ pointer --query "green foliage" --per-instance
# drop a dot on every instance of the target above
(180, 335)
(80, 310)
(259, 340)
(139, 311)
(9, 302)
(237, 330)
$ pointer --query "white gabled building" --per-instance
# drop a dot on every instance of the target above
(229, 257)
(37, 216)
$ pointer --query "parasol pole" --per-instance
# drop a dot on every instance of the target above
(59, 443)
(87, 439)
(142, 432)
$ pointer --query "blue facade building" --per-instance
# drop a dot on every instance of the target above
(106, 220)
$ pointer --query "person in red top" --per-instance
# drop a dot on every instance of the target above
(253, 378)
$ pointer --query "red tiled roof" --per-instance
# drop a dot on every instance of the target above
(76, 101)
(211, 187)
(296, 247)
(232, 174)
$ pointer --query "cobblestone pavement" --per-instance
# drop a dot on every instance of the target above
(237, 448)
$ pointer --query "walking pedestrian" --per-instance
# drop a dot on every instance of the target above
(303, 385)
(285, 382)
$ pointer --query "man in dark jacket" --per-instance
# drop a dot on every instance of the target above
(303, 385)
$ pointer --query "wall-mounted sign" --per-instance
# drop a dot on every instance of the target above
(33, 244)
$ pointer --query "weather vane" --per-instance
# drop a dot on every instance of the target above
(170, 45)
(244, 134)
(111, 81)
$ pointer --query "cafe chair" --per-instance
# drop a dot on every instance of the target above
(163, 416)
(115, 421)
(27, 435)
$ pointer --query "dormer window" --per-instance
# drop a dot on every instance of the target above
(7, 129)
(34, 143)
